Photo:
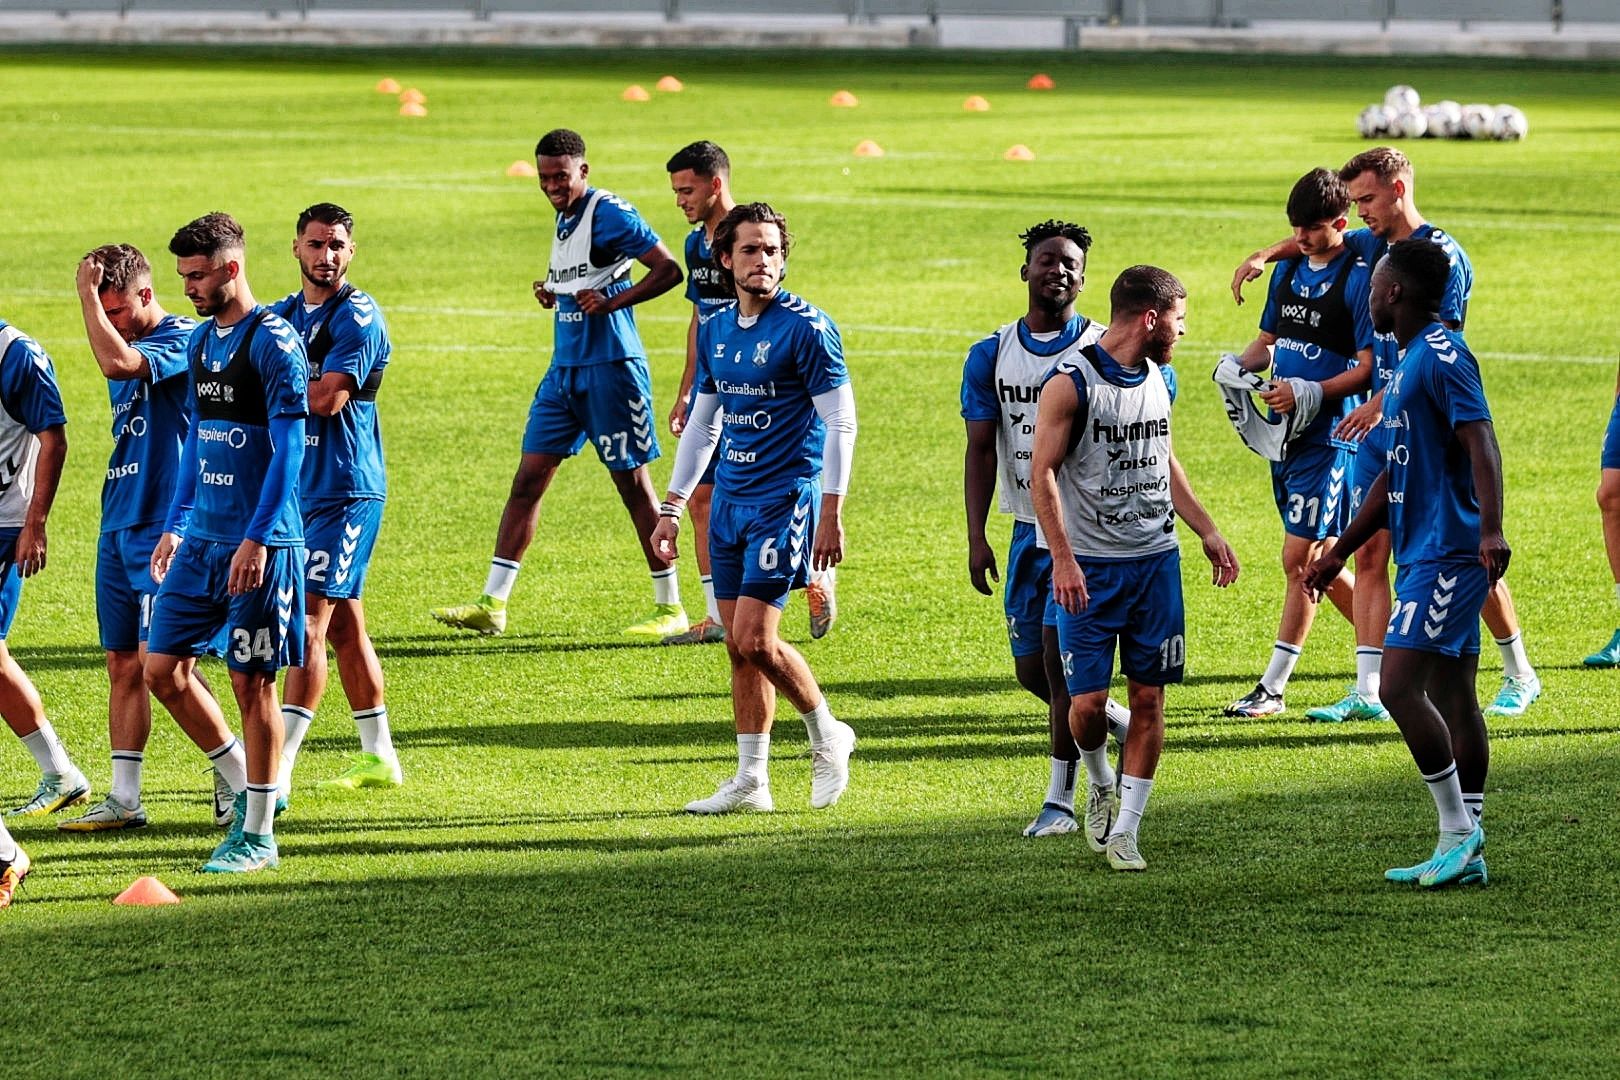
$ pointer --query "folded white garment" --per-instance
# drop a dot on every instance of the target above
(1266, 435)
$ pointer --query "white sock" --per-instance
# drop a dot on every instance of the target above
(1448, 800)
(1060, 788)
(231, 762)
(1098, 769)
(295, 721)
(1133, 797)
(1515, 664)
(710, 604)
(818, 723)
(48, 751)
(1475, 802)
(1119, 720)
(502, 576)
(126, 769)
(753, 757)
(1283, 658)
(1369, 662)
(8, 846)
(375, 738)
(666, 587)
(261, 810)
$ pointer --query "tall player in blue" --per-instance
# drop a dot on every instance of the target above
(773, 396)
(341, 491)
(141, 349)
(1440, 496)
(1001, 382)
(33, 446)
(240, 565)
(1381, 183)
(597, 388)
(1315, 327)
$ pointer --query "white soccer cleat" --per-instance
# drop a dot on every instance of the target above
(737, 793)
(1102, 806)
(1122, 853)
(224, 802)
(829, 766)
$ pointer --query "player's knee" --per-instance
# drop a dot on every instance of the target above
(124, 668)
(163, 677)
(530, 482)
(755, 647)
(1608, 497)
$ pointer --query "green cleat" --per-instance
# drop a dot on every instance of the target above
(1608, 656)
(55, 791)
(1354, 706)
(247, 854)
(483, 617)
(368, 770)
(108, 814)
(705, 632)
(665, 621)
(1515, 697)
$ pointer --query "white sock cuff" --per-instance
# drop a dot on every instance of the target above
(377, 713)
(297, 712)
(215, 755)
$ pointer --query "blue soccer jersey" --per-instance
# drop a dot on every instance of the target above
(149, 425)
(765, 376)
(1453, 305)
(241, 380)
(1433, 508)
(343, 454)
(617, 232)
(705, 287)
(30, 402)
(1321, 318)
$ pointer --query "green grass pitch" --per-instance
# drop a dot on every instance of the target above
(530, 903)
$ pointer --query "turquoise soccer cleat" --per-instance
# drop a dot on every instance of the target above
(1515, 697)
(247, 854)
(1608, 656)
(1452, 864)
(1353, 706)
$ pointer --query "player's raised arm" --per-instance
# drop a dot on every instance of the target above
(116, 357)
(1251, 268)
(1054, 424)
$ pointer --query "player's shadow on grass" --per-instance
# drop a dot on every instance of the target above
(435, 646)
(60, 658)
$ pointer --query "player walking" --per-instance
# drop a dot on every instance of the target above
(1440, 496)
(1001, 382)
(239, 565)
(1107, 490)
(1608, 498)
(597, 388)
(341, 488)
(1315, 327)
(773, 393)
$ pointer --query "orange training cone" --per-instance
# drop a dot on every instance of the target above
(1040, 81)
(1019, 152)
(413, 96)
(388, 86)
(635, 92)
(868, 148)
(522, 168)
(843, 100)
(669, 84)
(146, 892)
(411, 108)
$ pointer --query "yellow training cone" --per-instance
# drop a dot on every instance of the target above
(843, 100)
(1040, 81)
(388, 86)
(1019, 152)
(146, 892)
(522, 168)
(868, 148)
(411, 108)
(413, 96)
(669, 84)
(976, 104)
(635, 92)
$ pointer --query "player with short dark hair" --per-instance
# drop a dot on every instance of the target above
(1440, 496)
(1107, 491)
(1315, 328)
(597, 389)
(773, 395)
(342, 489)
(1001, 382)
(239, 567)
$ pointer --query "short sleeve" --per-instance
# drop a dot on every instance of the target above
(694, 244)
(28, 387)
(979, 400)
(1366, 244)
(358, 339)
(618, 227)
(820, 354)
(278, 355)
(1455, 383)
(166, 352)
(1171, 383)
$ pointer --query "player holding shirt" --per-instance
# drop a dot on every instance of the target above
(773, 393)
(33, 447)
(341, 489)
(1381, 186)
(1440, 496)
(1316, 327)
(1107, 489)
(1001, 381)
(239, 567)
(597, 388)
(1608, 498)
(141, 349)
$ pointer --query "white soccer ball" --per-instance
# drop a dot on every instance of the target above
(1434, 122)
(1511, 125)
(1372, 123)
(1445, 119)
(1402, 99)
(1478, 121)
(1410, 125)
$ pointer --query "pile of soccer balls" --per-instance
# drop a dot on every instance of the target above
(1404, 116)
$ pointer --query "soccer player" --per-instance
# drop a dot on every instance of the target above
(141, 349)
(773, 393)
(33, 446)
(597, 388)
(239, 565)
(1001, 381)
(1440, 496)
(1381, 187)
(341, 489)
(1107, 490)
(14, 866)
(1315, 327)
(1608, 498)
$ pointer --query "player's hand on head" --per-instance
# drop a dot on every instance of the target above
(1494, 555)
(982, 566)
(1247, 271)
(90, 275)
(1222, 558)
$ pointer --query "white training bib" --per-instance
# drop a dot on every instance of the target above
(571, 270)
(1018, 377)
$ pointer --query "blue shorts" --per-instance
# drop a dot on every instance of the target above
(124, 585)
(762, 550)
(1310, 490)
(10, 580)
(1437, 606)
(338, 538)
(1611, 439)
(1136, 602)
(1027, 594)
(608, 404)
(264, 628)
(1369, 462)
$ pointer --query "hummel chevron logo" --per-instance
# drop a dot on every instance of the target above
(800, 512)
(352, 532)
(1446, 583)
(363, 320)
(1336, 474)
(284, 599)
